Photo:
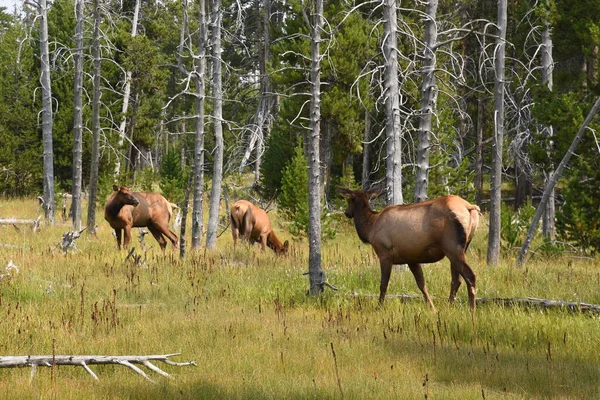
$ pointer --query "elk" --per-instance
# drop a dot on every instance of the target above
(126, 209)
(415, 234)
(253, 225)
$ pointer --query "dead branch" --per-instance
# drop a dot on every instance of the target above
(85, 361)
(532, 302)
(35, 223)
(68, 240)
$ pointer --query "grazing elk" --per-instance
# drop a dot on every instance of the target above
(253, 224)
(417, 233)
(126, 209)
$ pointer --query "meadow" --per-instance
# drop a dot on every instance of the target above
(244, 317)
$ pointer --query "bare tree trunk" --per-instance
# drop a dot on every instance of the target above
(46, 114)
(428, 102)
(553, 179)
(493, 253)
(127, 91)
(366, 164)
(314, 168)
(392, 105)
(215, 194)
(199, 132)
(77, 117)
(184, 212)
(548, 227)
(479, 152)
(95, 161)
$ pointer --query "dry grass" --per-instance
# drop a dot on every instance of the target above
(243, 316)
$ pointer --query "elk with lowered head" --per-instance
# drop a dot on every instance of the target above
(415, 234)
(253, 224)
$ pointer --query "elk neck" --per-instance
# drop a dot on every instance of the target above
(113, 208)
(273, 242)
(364, 218)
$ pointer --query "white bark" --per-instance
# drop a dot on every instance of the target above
(215, 194)
(493, 253)
(199, 131)
(429, 91)
(85, 360)
(35, 223)
(127, 92)
(46, 114)
(392, 105)
(78, 117)
(95, 161)
(314, 168)
(548, 227)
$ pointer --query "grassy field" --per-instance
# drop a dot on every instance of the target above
(243, 316)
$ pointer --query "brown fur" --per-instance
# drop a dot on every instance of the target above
(126, 209)
(253, 225)
(417, 233)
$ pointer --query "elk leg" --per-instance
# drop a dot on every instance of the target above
(386, 272)
(462, 268)
(127, 237)
(235, 232)
(263, 242)
(167, 232)
(158, 236)
(417, 272)
(456, 281)
(118, 235)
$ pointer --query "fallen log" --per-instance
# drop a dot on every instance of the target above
(509, 302)
(85, 361)
(35, 223)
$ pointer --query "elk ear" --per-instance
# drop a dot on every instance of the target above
(375, 191)
(344, 191)
(115, 188)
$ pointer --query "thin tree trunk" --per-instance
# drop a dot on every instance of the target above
(266, 95)
(314, 168)
(215, 194)
(552, 181)
(77, 118)
(95, 161)
(548, 227)
(199, 132)
(493, 253)
(184, 212)
(127, 92)
(392, 105)
(366, 163)
(46, 114)
(429, 91)
(479, 152)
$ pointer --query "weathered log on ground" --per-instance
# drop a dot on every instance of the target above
(84, 361)
(509, 302)
(68, 240)
(35, 223)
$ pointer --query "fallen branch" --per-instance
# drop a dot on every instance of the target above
(35, 223)
(85, 361)
(68, 240)
(508, 302)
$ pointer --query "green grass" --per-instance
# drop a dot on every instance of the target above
(244, 317)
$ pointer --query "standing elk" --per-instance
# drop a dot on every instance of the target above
(417, 233)
(253, 225)
(126, 209)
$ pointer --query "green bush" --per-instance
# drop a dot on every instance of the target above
(293, 200)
